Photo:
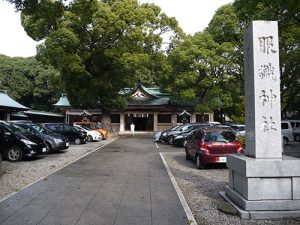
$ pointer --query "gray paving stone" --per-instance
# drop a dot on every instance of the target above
(122, 183)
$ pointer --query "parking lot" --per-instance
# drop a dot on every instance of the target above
(201, 187)
(15, 176)
(129, 164)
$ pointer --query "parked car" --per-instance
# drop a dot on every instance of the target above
(180, 139)
(296, 128)
(94, 126)
(168, 135)
(286, 132)
(68, 131)
(239, 129)
(16, 142)
(54, 142)
(211, 145)
(226, 127)
(157, 136)
(92, 134)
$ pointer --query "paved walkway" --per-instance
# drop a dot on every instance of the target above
(124, 183)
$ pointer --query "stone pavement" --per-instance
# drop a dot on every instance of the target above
(124, 183)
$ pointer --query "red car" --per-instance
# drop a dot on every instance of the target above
(211, 145)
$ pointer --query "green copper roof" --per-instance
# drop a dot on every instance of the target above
(8, 103)
(42, 113)
(151, 92)
(63, 102)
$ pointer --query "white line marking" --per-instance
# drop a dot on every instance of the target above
(184, 203)
(156, 145)
(10, 195)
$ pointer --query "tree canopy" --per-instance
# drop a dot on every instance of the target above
(287, 13)
(103, 46)
(30, 82)
(100, 47)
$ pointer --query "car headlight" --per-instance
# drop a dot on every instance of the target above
(27, 142)
(178, 137)
(164, 134)
(57, 140)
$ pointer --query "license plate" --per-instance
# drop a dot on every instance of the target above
(222, 159)
(67, 144)
(44, 150)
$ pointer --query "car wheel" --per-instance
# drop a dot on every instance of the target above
(285, 141)
(199, 164)
(77, 141)
(170, 140)
(90, 138)
(49, 147)
(187, 157)
(14, 154)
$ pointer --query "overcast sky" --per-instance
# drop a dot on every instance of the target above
(192, 15)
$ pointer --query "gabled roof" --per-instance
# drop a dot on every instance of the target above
(7, 102)
(141, 91)
(63, 102)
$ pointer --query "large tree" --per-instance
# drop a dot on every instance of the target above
(226, 28)
(200, 72)
(287, 13)
(30, 82)
(99, 46)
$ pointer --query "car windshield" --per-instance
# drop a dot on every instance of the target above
(174, 128)
(41, 129)
(85, 128)
(15, 128)
(187, 128)
(224, 136)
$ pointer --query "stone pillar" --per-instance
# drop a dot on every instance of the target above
(262, 183)
(155, 121)
(174, 119)
(262, 88)
(122, 122)
(7, 116)
(193, 118)
(211, 117)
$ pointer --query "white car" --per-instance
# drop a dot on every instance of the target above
(286, 132)
(157, 136)
(239, 129)
(92, 134)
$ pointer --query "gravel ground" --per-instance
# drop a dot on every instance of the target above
(201, 190)
(15, 176)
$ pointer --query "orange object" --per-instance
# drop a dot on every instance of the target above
(94, 126)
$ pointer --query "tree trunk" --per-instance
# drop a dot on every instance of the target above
(106, 122)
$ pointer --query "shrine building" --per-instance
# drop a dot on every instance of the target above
(148, 108)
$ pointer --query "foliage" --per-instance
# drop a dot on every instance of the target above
(200, 72)
(100, 47)
(287, 13)
(225, 28)
(30, 82)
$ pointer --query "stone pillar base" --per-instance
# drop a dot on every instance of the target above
(265, 188)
